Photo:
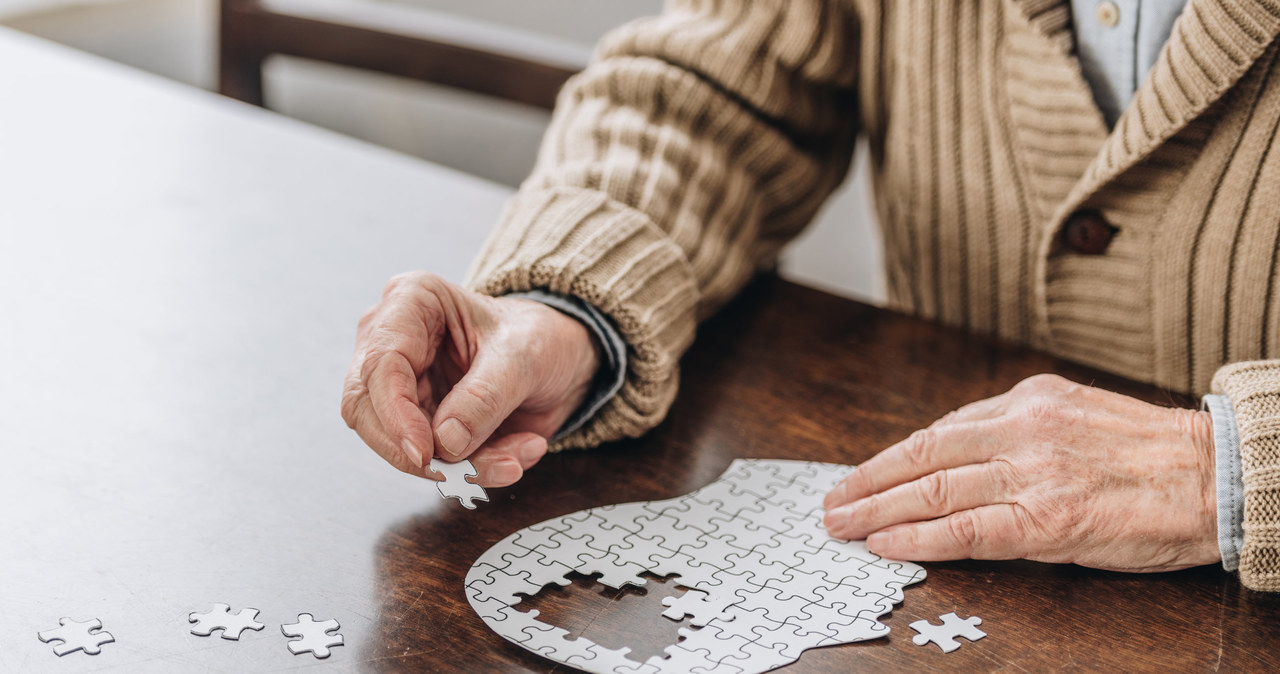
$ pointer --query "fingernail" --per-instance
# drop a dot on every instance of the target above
(531, 451)
(834, 496)
(504, 473)
(880, 540)
(411, 450)
(837, 519)
(454, 437)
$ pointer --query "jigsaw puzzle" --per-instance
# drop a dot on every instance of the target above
(74, 635)
(314, 635)
(763, 579)
(221, 618)
(455, 484)
(944, 635)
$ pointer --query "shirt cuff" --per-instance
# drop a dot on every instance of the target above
(613, 371)
(1226, 445)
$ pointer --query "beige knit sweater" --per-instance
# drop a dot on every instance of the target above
(701, 141)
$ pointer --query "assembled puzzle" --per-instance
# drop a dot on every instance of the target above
(764, 580)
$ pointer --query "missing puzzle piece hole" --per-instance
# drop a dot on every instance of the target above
(630, 617)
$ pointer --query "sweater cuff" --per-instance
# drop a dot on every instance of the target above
(1226, 445)
(580, 243)
(613, 370)
(1254, 391)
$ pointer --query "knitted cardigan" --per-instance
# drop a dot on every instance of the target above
(699, 142)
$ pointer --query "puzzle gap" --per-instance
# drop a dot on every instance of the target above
(630, 617)
(763, 577)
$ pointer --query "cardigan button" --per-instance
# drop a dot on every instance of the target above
(1108, 13)
(1087, 233)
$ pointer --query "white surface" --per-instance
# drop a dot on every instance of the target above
(180, 280)
(840, 253)
(10, 8)
(139, 154)
(420, 22)
(581, 21)
(762, 574)
(494, 139)
(174, 38)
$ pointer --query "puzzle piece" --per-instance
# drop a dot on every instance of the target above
(74, 635)
(764, 581)
(221, 618)
(944, 635)
(455, 484)
(697, 605)
(614, 571)
(315, 637)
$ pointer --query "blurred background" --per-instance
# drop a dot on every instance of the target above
(481, 135)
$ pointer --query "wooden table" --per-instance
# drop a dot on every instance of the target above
(180, 277)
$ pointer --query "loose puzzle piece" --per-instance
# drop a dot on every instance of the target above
(763, 579)
(944, 635)
(455, 484)
(74, 635)
(221, 618)
(315, 635)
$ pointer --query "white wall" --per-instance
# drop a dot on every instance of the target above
(495, 140)
(174, 38)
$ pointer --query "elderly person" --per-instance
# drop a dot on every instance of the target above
(1093, 179)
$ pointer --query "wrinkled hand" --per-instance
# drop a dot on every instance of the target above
(1050, 471)
(443, 371)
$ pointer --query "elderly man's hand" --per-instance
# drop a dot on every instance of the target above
(1050, 471)
(440, 370)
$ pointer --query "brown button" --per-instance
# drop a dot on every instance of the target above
(1087, 233)
(1108, 13)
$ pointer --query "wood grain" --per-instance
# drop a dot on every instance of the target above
(790, 372)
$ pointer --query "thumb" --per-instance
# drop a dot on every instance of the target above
(474, 408)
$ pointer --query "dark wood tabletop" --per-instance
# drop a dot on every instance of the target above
(790, 372)
(180, 279)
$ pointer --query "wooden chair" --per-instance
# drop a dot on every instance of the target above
(393, 39)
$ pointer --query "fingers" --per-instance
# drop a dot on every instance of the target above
(393, 390)
(485, 396)
(503, 461)
(425, 338)
(990, 532)
(924, 452)
(987, 408)
(934, 495)
(499, 463)
(359, 414)
(396, 341)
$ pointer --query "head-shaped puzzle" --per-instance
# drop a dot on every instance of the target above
(765, 581)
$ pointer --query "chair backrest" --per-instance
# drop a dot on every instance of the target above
(393, 39)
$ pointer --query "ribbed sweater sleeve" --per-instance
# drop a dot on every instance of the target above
(692, 149)
(1254, 390)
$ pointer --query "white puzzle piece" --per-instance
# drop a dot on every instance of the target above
(315, 635)
(944, 635)
(232, 625)
(75, 635)
(455, 483)
(694, 604)
(762, 577)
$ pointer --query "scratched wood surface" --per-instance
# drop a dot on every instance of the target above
(790, 372)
